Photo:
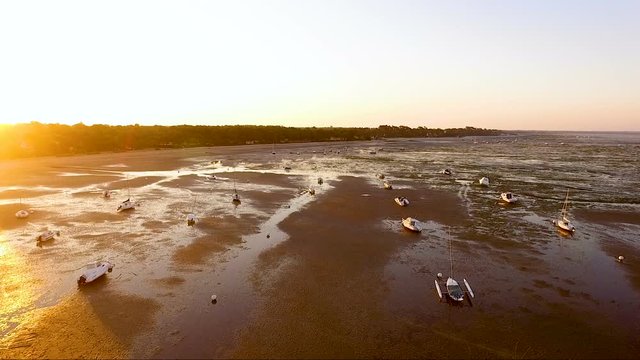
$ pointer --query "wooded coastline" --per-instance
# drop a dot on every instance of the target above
(37, 139)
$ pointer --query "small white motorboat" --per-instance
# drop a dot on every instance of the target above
(508, 197)
(445, 172)
(412, 224)
(94, 270)
(563, 223)
(22, 214)
(387, 185)
(402, 201)
(126, 205)
(484, 181)
(191, 219)
(47, 235)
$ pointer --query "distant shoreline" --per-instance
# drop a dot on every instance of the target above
(39, 140)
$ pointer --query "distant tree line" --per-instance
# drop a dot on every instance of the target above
(36, 139)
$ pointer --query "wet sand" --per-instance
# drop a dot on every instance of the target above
(298, 276)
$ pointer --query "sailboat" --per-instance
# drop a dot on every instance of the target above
(127, 204)
(236, 198)
(453, 290)
(191, 217)
(563, 223)
(273, 149)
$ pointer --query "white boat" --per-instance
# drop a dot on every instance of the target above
(126, 205)
(508, 197)
(445, 172)
(563, 223)
(47, 235)
(94, 270)
(106, 194)
(484, 181)
(412, 224)
(387, 185)
(22, 213)
(311, 191)
(402, 201)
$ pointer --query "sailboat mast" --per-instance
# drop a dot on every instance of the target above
(450, 256)
(566, 204)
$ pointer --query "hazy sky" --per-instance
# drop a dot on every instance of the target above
(510, 64)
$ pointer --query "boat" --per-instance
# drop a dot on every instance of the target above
(380, 176)
(412, 224)
(563, 223)
(387, 185)
(508, 197)
(484, 181)
(191, 217)
(311, 191)
(320, 181)
(22, 213)
(106, 194)
(287, 168)
(47, 235)
(235, 198)
(126, 205)
(94, 270)
(453, 289)
(445, 172)
(402, 201)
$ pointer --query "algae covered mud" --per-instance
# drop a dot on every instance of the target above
(332, 274)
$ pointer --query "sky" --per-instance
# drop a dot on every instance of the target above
(528, 65)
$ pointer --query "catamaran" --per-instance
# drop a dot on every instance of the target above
(454, 290)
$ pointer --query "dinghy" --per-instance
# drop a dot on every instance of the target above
(563, 223)
(402, 201)
(508, 197)
(446, 172)
(387, 185)
(106, 194)
(412, 224)
(47, 235)
(484, 181)
(191, 219)
(22, 214)
(94, 270)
